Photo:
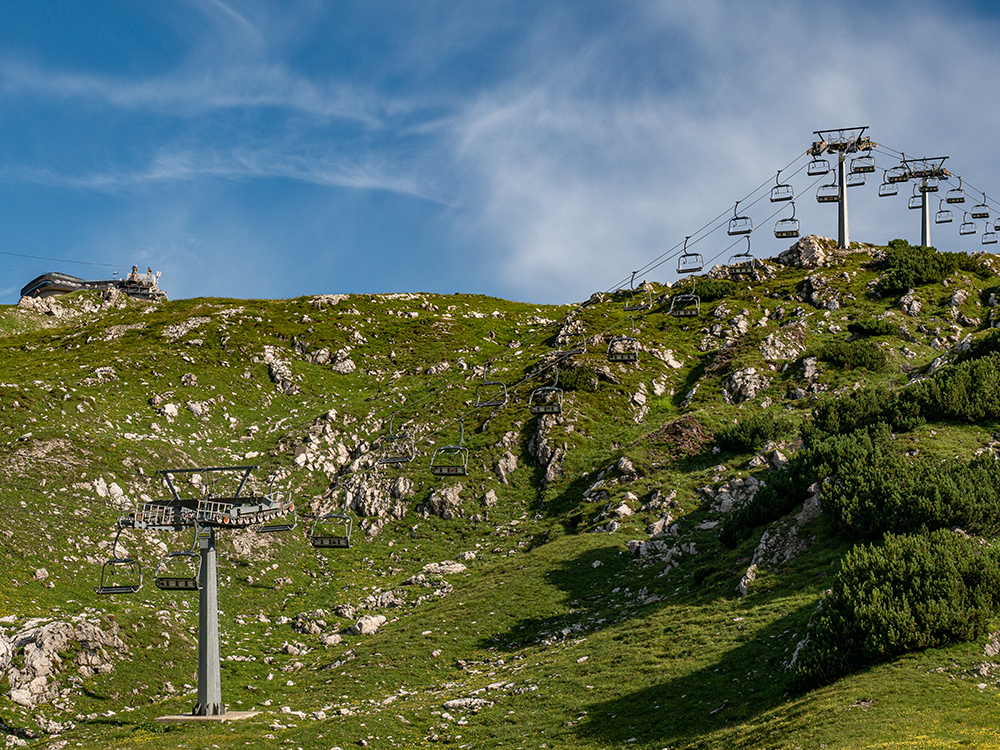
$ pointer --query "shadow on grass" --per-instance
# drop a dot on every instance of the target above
(741, 685)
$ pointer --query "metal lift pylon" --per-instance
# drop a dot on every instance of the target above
(842, 141)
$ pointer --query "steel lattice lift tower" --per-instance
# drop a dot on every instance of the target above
(840, 141)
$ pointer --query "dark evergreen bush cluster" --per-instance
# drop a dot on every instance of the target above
(872, 488)
(850, 355)
(906, 593)
(709, 289)
(909, 266)
(869, 326)
(753, 431)
(968, 391)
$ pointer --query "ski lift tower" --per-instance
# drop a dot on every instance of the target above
(195, 506)
(841, 141)
(927, 173)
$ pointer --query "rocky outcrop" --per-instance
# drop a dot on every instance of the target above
(445, 502)
(545, 455)
(744, 385)
(809, 252)
(33, 659)
(279, 371)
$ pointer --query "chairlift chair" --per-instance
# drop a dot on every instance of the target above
(742, 264)
(955, 195)
(547, 399)
(624, 348)
(490, 393)
(818, 167)
(996, 226)
(119, 575)
(989, 235)
(856, 179)
(179, 571)
(863, 164)
(916, 200)
(967, 227)
(781, 191)
(451, 460)
(829, 193)
(689, 262)
(686, 304)
(739, 224)
(887, 188)
(634, 304)
(899, 173)
(981, 210)
(283, 525)
(787, 228)
(943, 215)
(396, 448)
(929, 185)
(331, 531)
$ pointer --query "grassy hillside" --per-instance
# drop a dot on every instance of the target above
(602, 547)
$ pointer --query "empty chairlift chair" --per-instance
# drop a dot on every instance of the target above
(989, 235)
(930, 185)
(547, 399)
(899, 173)
(686, 304)
(288, 522)
(856, 179)
(451, 460)
(864, 164)
(787, 228)
(967, 227)
(120, 575)
(637, 302)
(887, 188)
(689, 262)
(396, 447)
(828, 193)
(781, 191)
(955, 195)
(916, 200)
(739, 224)
(332, 530)
(818, 167)
(624, 348)
(981, 210)
(943, 215)
(742, 265)
(490, 393)
(180, 571)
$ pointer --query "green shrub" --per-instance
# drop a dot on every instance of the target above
(579, 379)
(907, 593)
(853, 354)
(869, 326)
(870, 488)
(753, 431)
(865, 407)
(909, 266)
(709, 289)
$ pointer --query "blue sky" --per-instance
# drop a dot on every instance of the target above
(537, 151)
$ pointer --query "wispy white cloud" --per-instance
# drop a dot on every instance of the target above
(372, 172)
(578, 182)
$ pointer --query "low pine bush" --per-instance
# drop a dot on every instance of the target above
(906, 593)
(753, 431)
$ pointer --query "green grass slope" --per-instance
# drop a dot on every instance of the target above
(602, 547)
